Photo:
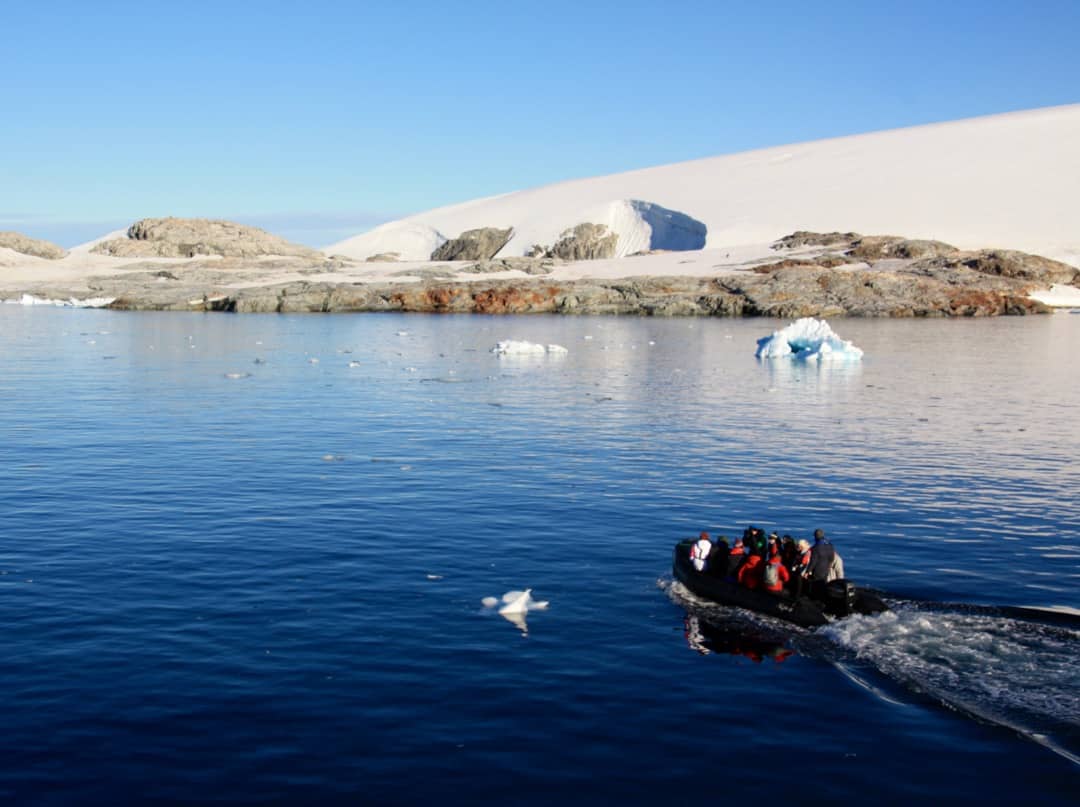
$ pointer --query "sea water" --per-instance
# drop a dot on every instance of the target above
(244, 559)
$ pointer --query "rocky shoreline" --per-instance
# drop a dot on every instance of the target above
(811, 274)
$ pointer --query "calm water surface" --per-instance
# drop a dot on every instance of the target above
(267, 587)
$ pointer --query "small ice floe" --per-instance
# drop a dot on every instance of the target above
(354, 364)
(402, 333)
(70, 302)
(515, 605)
(333, 458)
(237, 375)
(260, 360)
(312, 360)
(515, 347)
(807, 339)
(434, 576)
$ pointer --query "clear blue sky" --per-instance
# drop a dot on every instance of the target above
(320, 119)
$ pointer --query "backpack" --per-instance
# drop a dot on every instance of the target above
(771, 576)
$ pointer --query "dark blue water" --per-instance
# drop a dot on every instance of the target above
(268, 587)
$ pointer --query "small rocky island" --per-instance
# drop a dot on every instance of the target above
(199, 264)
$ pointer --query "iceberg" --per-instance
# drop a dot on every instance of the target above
(807, 339)
(514, 347)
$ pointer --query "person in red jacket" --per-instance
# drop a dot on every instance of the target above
(735, 560)
(775, 574)
(750, 572)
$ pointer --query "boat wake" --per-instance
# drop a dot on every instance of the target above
(1007, 670)
(1010, 672)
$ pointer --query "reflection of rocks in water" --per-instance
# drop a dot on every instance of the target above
(707, 637)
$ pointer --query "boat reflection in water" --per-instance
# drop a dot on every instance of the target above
(707, 637)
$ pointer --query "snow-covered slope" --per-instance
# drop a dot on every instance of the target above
(1008, 180)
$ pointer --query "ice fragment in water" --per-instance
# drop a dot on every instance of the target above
(516, 347)
(807, 339)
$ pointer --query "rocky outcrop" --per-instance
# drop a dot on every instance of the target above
(881, 247)
(585, 242)
(31, 246)
(867, 248)
(186, 238)
(384, 257)
(975, 283)
(473, 245)
(1002, 263)
(806, 238)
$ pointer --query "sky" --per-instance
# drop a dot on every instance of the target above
(320, 120)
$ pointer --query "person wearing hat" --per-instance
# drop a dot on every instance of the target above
(822, 557)
(718, 557)
(775, 574)
(801, 571)
(699, 551)
(788, 553)
(735, 558)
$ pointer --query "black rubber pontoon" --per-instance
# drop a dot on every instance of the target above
(842, 597)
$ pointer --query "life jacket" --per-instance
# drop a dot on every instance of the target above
(770, 577)
(699, 551)
(775, 575)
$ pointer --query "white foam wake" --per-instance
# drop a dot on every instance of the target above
(1018, 674)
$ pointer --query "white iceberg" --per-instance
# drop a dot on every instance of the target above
(515, 347)
(807, 339)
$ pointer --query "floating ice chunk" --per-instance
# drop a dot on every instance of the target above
(515, 606)
(434, 577)
(333, 458)
(520, 602)
(515, 347)
(237, 375)
(402, 333)
(807, 339)
(313, 360)
(355, 364)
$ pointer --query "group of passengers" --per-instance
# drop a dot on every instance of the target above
(769, 562)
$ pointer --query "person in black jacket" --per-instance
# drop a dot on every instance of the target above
(718, 558)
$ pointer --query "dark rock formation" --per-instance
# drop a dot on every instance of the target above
(880, 247)
(384, 257)
(1004, 263)
(585, 242)
(186, 238)
(473, 245)
(31, 246)
(805, 238)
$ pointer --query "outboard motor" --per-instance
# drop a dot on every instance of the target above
(840, 597)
